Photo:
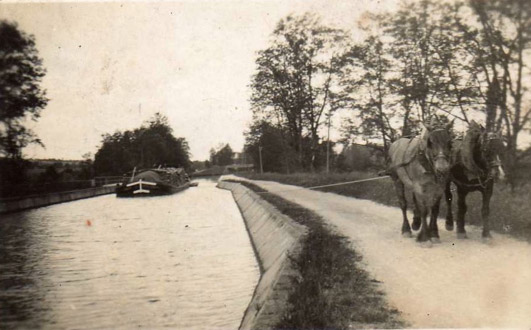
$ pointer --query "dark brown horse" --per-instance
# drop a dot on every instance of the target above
(476, 165)
(422, 164)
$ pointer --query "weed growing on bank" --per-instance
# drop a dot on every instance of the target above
(509, 209)
(333, 290)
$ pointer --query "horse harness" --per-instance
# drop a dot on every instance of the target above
(481, 172)
(423, 159)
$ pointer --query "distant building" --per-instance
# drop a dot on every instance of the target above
(361, 157)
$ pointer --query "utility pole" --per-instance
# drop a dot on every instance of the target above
(260, 156)
(328, 145)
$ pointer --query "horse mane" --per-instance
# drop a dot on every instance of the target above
(423, 138)
(434, 124)
(469, 147)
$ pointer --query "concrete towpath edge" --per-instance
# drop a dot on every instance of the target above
(276, 240)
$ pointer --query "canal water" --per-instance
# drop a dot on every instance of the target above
(183, 261)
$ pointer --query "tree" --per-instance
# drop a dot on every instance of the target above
(369, 79)
(498, 47)
(426, 51)
(297, 79)
(87, 167)
(213, 159)
(276, 155)
(412, 65)
(358, 157)
(224, 155)
(150, 145)
(158, 146)
(21, 96)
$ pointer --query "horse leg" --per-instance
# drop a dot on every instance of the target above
(461, 211)
(399, 187)
(449, 216)
(416, 214)
(424, 234)
(434, 230)
(485, 210)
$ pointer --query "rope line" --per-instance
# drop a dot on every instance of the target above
(326, 185)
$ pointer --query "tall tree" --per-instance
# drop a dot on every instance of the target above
(368, 78)
(297, 79)
(499, 46)
(21, 96)
(408, 68)
(427, 58)
(418, 82)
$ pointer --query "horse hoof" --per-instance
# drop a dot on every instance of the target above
(462, 235)
(435, 240)
(407, 234)
(449, 226)
(426, 244)
(487, 239)
(416, 224)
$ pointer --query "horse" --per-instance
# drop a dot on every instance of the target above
(422, 165)
(476, 165)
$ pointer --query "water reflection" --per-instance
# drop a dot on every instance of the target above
(181, 261)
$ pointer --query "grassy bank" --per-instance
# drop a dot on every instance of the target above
(509, 209)
(333, 290)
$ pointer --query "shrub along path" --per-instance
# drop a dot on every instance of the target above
(458, 283)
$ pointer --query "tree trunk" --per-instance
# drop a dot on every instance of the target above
(406, 130)
(493, 99)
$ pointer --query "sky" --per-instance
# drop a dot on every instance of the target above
(111, 66)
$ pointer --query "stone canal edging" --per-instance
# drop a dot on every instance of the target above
(276, 240)
(17, 204)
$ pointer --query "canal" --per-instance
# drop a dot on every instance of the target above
(182, 261)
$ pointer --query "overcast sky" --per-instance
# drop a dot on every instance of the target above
(111, 66)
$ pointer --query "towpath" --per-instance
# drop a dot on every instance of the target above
(455, 284)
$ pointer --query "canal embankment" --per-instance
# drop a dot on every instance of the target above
(323, 283)
(276, 240)
(14, 204)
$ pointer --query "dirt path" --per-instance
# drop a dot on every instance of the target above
(455, 284)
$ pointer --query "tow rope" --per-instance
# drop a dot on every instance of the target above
(323, 186)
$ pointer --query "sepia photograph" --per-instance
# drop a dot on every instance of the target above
(265, 164)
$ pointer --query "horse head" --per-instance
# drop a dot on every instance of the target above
(437, 143)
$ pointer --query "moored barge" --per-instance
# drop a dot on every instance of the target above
(153, 182)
